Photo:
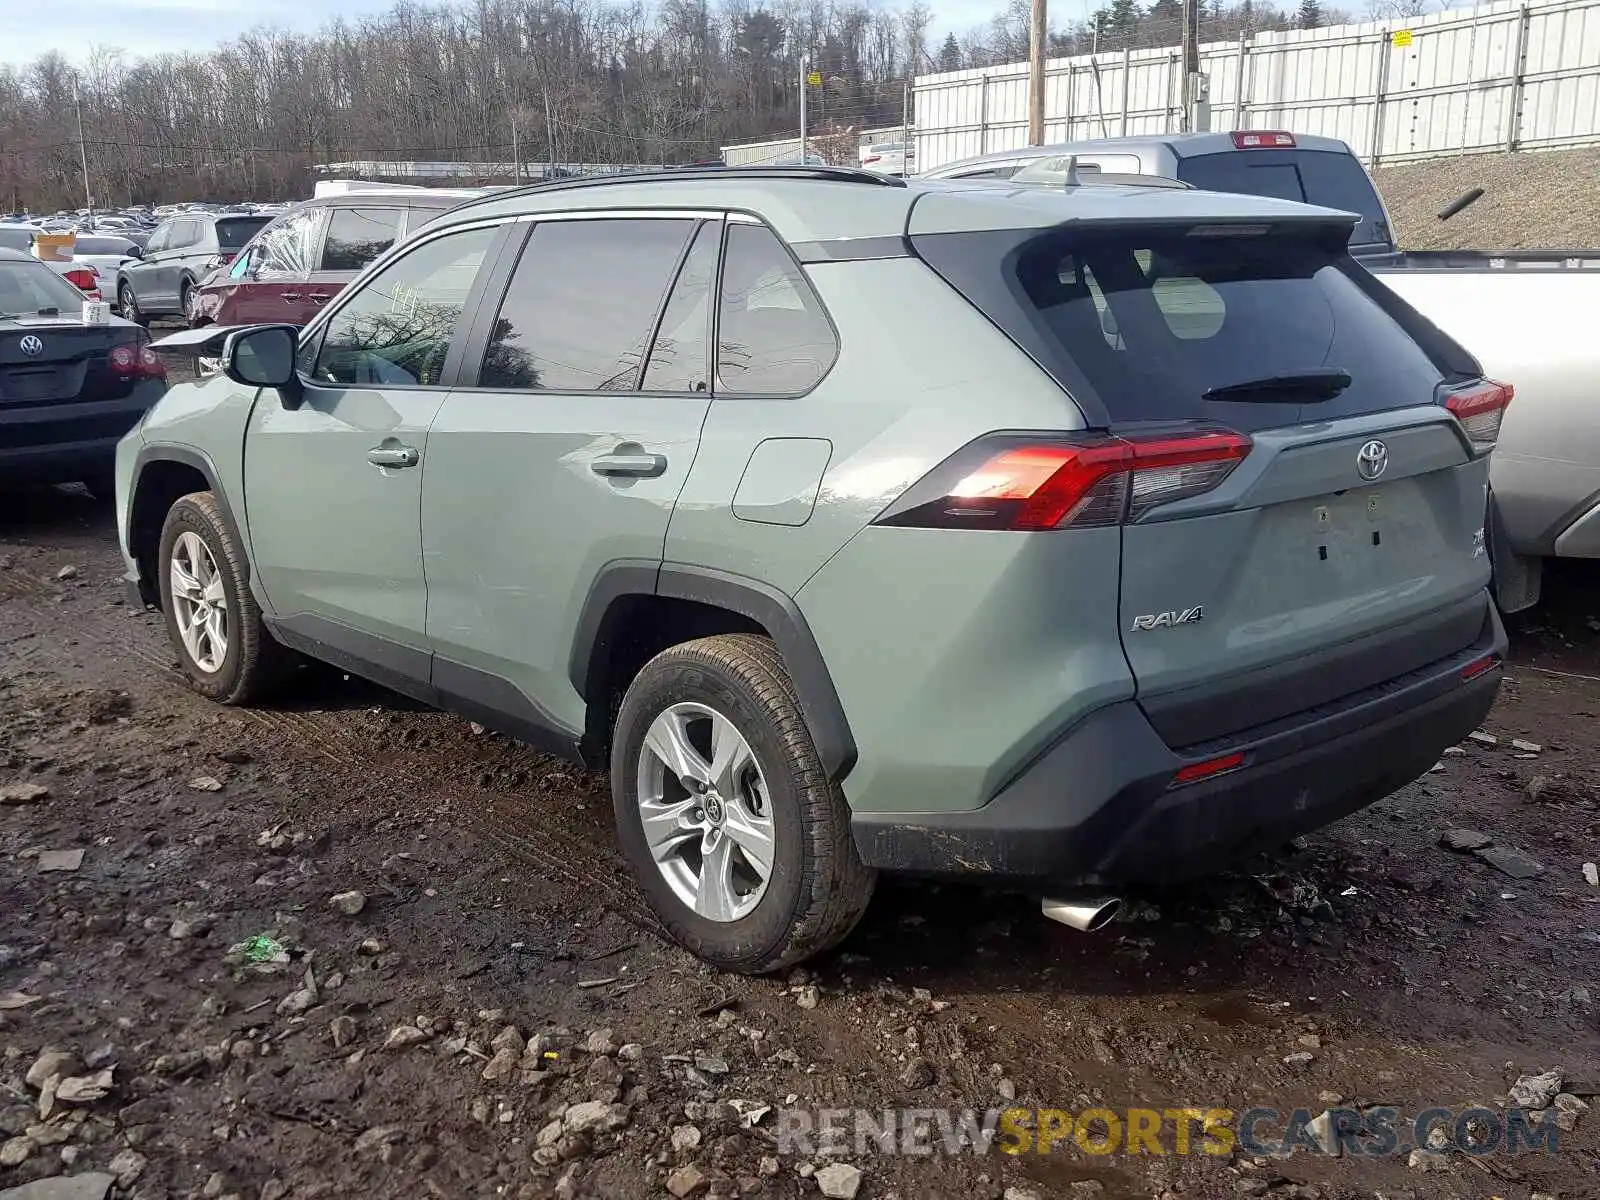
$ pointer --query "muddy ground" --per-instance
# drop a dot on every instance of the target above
(1368, 965)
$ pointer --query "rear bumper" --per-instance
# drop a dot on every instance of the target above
(70, 441)
(63, 463)
(1097, 808)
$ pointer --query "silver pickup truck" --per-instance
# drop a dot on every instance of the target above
(1528, 316)
(1533, 325)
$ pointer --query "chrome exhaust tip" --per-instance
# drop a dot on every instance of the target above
(1085, 914)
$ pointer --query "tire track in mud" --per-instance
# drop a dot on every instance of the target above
(536, 833)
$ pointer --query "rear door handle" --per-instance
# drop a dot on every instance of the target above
(638, 463)
(393, 456)
(319, 299)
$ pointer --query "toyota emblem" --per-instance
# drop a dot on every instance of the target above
(1373, 460)
(32, 346)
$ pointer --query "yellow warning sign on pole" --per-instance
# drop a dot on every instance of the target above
(814, 79)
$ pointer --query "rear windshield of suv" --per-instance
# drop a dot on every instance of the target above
(1147, 320)
(234, 232)
(1323, 177)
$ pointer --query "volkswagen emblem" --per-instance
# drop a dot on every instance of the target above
(32, 346)
(1372, 460)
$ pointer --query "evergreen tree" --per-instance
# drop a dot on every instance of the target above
(1121, 20)
(1311, 15)
(1164, 22)
(950, 54)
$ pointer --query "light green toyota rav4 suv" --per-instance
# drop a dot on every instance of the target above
(1070, 538)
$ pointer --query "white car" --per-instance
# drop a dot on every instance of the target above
(889, 158)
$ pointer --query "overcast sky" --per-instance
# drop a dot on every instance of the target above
(29, 28)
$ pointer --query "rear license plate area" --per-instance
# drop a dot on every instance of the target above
(25, 386)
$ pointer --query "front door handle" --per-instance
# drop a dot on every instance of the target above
(393, 456)
(636, 462)
(290, 296)
(319, 299)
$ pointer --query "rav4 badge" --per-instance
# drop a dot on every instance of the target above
(1165, 620)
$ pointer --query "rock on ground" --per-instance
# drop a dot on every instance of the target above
(686, 1181)
(1464, 839)
(839, 1181)
(91, 1185)
(1536, 1091)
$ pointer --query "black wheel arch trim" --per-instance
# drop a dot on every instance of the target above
(190, 457)
(773, 610)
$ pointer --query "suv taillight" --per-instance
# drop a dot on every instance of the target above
(1480, 408)
(135, 360)
(1014, 482)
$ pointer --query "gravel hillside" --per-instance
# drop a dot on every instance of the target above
(1547, 200)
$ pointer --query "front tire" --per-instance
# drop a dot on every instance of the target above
(735, 833)
(212, 619)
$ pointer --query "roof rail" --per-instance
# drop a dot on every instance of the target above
(666, 175)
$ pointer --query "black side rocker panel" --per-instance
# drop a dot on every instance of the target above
(148, 590)
(437, 682)
(774, 611)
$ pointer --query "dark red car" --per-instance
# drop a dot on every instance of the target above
(295, 265)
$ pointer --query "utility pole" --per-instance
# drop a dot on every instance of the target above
(905, 127)
(83, 146)
(1196, 87)
(805, 84)
(1037, 35)
(516, 156)
(549, 129)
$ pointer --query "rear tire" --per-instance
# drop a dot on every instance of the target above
(128, 305)
(816, 886)
(228, 654)
(185, 300)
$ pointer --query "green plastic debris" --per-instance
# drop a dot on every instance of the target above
(261, 949)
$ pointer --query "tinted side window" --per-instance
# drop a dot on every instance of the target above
(356, 236)
(397, 329)
(680, 356)
(582, 304)
(772, 336)
(284, 248)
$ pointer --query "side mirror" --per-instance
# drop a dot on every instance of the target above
(264, 357)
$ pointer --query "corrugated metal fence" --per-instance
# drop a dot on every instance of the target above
(1502, 76)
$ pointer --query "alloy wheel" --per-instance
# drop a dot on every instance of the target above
(706, 811)
(199, 603)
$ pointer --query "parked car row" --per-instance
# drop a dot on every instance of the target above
(689, 513)
(183, 251)
(95, 261)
